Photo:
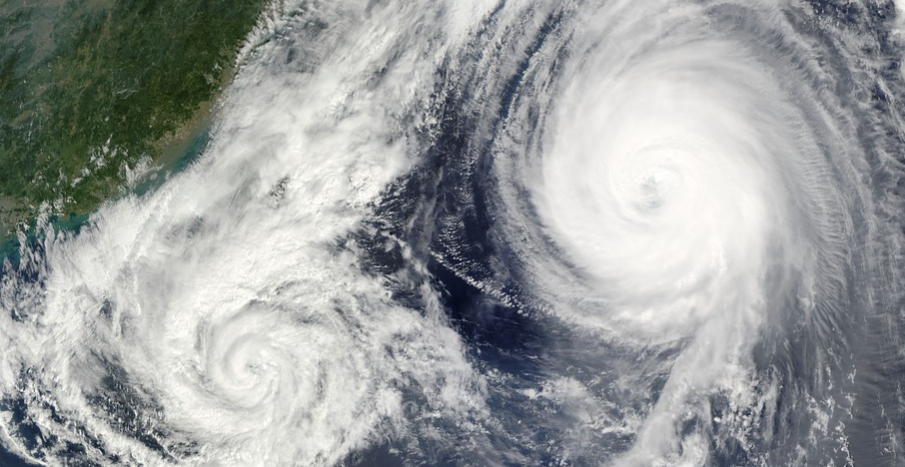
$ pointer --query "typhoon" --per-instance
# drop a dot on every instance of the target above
(426, 232)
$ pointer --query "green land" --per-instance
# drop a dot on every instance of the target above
(89, 89)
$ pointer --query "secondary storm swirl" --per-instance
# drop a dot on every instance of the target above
(224, 318)
(662, 229)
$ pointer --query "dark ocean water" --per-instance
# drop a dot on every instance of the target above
(487, 233)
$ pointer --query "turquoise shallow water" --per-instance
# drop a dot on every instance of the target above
(9, 248)
(579, 234)
(10, 251)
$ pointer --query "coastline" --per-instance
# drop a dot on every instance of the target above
(94, 120)
(167, 154)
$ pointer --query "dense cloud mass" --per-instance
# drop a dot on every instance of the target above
(621, 232)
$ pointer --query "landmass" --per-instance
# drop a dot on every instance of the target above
(94, 91)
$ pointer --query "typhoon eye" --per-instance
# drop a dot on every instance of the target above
(673, 184)
(473, 232)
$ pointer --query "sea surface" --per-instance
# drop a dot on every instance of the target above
(426, 232)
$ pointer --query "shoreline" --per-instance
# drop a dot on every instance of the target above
(174, 152)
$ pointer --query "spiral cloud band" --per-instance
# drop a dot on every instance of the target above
(685, 188)
(666, 177)
(215, 321)
(495, 233)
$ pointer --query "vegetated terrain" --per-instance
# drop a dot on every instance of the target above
(90, 89)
